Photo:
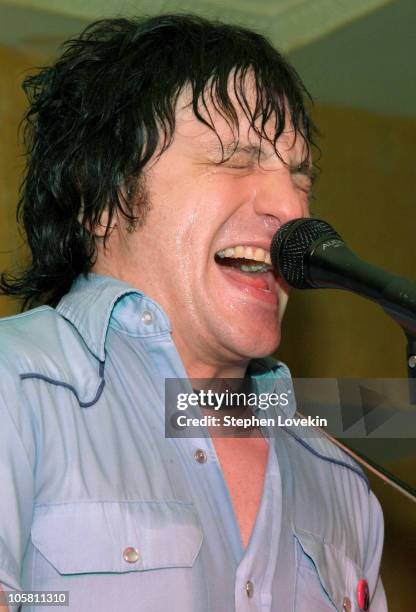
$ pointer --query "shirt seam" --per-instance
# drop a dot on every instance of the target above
(328, 459)
(116, 501)
(150, 335)
(19, 437)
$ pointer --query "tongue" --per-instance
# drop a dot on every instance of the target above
(259, 281)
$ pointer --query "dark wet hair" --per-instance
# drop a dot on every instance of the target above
(99, 114)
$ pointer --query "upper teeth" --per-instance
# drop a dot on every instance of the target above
(246, 252)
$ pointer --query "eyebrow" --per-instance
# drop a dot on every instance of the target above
(305, 167)
(229, 149)
(256, 152)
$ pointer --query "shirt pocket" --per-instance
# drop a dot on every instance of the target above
(117, 537)
(326, 578)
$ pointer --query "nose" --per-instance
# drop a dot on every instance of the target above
(280, 198)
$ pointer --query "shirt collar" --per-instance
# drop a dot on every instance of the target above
(271, 376)
(95, 302)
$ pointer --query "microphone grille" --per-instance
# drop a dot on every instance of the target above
(290, 245)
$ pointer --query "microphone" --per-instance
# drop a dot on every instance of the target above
(310, 254)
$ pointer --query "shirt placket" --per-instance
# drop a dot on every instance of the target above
(249, 572)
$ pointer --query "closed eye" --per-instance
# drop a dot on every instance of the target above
(236, 166)
(304, 175)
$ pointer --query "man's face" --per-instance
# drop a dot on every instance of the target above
(204, 219)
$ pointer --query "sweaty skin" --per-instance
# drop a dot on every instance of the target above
(197, 208)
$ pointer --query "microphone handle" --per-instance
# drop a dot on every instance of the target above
(331, 264)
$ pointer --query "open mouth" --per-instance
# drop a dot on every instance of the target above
(250, 267)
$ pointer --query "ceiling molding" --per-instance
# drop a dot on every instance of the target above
(356, 53)
(290, 24)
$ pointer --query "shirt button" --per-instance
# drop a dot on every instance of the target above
(200, 455)
(130, 554)
(249, 588)
(346, 604)
(147, 317)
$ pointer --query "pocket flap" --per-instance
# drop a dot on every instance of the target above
(338, 574)
(86, 537)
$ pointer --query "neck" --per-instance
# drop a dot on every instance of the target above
(210, 371)
(207, 366)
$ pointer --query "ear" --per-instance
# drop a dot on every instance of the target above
(100, 227)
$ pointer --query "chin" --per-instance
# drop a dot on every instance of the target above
(260, 347)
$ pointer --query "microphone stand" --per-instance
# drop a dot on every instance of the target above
(370, 465)
(408, 325)
(411, 366)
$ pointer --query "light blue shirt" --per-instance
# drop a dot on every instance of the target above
(95, 500)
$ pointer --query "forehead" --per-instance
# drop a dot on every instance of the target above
(215, 132)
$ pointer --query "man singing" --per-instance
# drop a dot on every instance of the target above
(163, 155)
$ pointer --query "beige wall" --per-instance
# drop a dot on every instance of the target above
(12, 105)
(367, 192)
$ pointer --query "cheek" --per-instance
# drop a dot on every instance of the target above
(190, 211)
(307, 209)
(283, 299)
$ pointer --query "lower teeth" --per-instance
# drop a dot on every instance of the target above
(254, 268)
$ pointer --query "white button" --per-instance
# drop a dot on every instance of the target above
(346, 604)
(200, 455)
(130, 554)
(249, 588)
(147, 317)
